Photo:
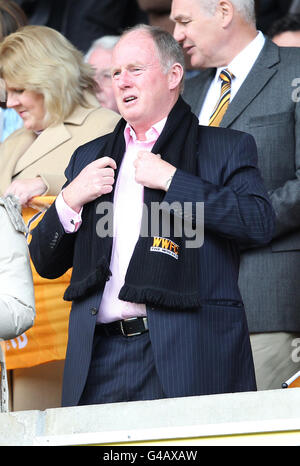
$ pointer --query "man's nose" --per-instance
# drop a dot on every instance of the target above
(178, 33)
(124, 79)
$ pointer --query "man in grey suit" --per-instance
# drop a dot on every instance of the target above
(264, 101)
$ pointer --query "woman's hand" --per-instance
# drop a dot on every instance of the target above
(26, 189)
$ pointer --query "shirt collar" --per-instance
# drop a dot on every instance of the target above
(151, 135)
(243, 62)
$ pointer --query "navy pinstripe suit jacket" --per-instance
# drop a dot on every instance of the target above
(197, 351)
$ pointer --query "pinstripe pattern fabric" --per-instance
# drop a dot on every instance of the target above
(122, 369)
(198, 351)
(224, 99)
(204, 351)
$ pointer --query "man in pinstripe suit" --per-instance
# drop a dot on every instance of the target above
(151, 317)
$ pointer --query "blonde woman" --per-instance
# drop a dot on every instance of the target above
(52, 89)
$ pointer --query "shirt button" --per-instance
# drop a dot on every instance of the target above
(94, 311)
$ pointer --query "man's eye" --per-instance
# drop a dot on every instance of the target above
(184, 21)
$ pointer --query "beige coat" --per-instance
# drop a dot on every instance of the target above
(26, 155)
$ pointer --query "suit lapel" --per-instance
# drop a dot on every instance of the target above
(46, 142)
(53, 136)
(260, 74)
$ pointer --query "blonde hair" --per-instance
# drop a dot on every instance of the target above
(40, 59)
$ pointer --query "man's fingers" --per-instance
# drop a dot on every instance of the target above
(106, 189)
(108, 180)
(105, 162)
(108, 172)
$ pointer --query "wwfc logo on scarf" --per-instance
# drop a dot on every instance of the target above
(166, 246)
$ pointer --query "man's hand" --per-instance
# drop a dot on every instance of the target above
(152, 172)
(25, 189)
(95, 179)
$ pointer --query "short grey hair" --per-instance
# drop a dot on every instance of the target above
(246, 8)
(104, 42)
(169, 50)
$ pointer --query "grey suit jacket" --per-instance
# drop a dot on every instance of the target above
(266, 106)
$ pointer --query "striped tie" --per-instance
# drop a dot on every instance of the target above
(223, 102)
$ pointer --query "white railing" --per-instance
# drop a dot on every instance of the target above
(254, 418)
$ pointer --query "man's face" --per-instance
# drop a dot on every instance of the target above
(198, 31)
(141, 87)
(100, 59)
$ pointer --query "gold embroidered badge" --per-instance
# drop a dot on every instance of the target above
(166, 246)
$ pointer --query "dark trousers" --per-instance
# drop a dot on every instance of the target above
(121, 369)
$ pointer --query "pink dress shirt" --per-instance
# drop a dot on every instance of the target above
(128, 208)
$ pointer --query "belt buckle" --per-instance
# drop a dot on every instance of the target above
(136, 333)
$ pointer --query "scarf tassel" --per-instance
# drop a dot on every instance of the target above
(156, 297)
(94, 281)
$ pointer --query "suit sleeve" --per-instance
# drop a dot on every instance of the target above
(51, 248)
(237, 206)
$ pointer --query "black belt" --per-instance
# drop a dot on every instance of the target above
(127, 327)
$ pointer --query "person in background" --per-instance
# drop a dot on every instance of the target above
(52, 89)
(286, 31)
(99, 57)
(12, 17)
(269, 11)
(59, 110)
(152, 316)
(83, 21)
(158, 12)
(261, 98)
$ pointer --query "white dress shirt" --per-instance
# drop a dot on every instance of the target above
(239, 67)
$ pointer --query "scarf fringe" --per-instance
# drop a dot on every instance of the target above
(95, 281)
(154, 297)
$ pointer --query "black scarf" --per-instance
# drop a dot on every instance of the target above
(167, 276)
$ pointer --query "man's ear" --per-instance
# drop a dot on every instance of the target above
(225, 10)
(175, 75)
